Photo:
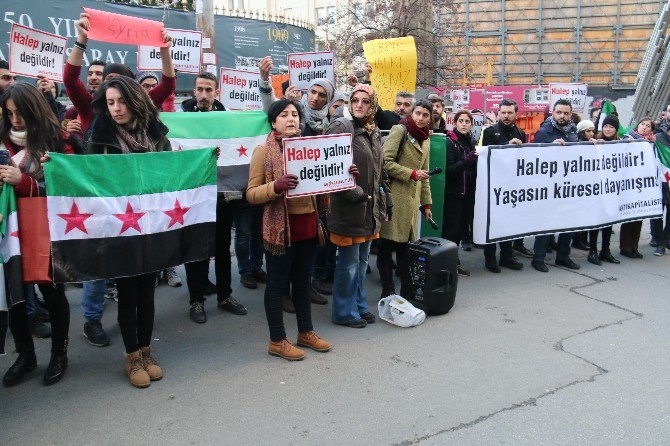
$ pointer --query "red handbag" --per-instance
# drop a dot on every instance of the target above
(34, 239)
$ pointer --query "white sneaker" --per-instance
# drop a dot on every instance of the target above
(172, 277)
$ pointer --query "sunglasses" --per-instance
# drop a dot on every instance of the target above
(7, 77)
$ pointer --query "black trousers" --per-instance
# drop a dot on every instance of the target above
(505, 251)
(661, 233)
(294, 268)
(59, 312)
(136, 310)
(457, 217)
(629, 235)
(593, 239)
(385, 263)
(197, 272)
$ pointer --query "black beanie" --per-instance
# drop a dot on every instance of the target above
(117, 68)
(611, 120)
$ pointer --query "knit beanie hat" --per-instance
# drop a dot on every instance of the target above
(117, 68)
(584, 125)
(611, 120)
(146, 75)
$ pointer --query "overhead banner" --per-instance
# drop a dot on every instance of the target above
(303, 68)
(575, 93)
(534, 190)
(186, 52)
(33, 52)
(239, 90)
(321, 163)
(394, 63)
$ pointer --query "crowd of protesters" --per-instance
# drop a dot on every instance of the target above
(311, 246)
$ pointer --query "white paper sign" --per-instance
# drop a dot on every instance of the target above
(211, 69)
(206, 43)
(33, 52)
(321, 163)
(460, 99)
(199, 6)
(575, 93)
(524, 191)
(186, 49)
(477, 126)
(209, 58)
(303, 68)
(239, 90)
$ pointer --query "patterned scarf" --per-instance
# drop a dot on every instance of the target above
(24, 159)
(136, 142)
(276, 226)
(368, 121)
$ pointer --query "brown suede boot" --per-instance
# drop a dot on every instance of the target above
(313, 341)
(150, 365)
(135, 371)
(284, 349)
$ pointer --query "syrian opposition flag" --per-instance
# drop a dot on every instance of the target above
(607, 109)
(11, 276)
(235, 133)
(663, 156)
(123, 215)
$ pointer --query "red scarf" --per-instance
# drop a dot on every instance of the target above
(418, 133)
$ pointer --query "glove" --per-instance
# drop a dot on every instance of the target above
(285, 182)
(471, 157)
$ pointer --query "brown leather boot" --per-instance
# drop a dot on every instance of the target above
(150, 365)
(313, 341)
(284, 349)
(135, 370)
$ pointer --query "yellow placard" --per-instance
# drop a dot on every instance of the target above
(393, 64)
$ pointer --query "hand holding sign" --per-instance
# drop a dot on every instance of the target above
(265, 65)
(117, 28)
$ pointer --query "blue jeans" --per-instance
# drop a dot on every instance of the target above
(31, 307)
(542, 243)
(349, 298)
(248, 240)
(93, 300)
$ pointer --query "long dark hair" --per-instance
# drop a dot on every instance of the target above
(43, 132)
(137, 100)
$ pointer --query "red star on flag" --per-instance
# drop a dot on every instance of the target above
(130, 219)
(242, 151)
(15, 234)
(74, 219)
(177, 214)
(179, 148)
(667, 176)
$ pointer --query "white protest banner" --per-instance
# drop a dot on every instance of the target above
(239, 90)
(303, 68)
(321, 163)
(477, 126)
(185, 51)
(33, 52)
(575, 93)
(532, 190)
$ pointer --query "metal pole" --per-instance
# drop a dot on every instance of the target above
(204, 22)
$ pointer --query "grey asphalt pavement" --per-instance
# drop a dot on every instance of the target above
(523, 358)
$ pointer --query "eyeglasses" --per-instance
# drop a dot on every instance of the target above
(7, 77)
(362, 101)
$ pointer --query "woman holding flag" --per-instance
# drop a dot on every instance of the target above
(127, 122)
(29, 129)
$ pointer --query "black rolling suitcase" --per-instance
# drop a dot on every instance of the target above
(433, 273)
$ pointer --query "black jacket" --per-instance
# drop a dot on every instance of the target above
(103, 136)
(385, 119)
(460, 175)
(664, 138)
(498, 135)
(191, 105)
(549, 133)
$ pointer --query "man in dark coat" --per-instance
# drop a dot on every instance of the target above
(504, 132)
(557, 129)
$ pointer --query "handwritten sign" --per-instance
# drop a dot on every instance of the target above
(393, 64)
(477, 126)
(303, 68)
(321, 163)
(239, 90)
(186, 49)
(575, 93)
(119, 28)
(460, 99)
(33, 52)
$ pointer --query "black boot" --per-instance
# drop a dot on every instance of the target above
(57, 366)
(25, 363)
(594, 258)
